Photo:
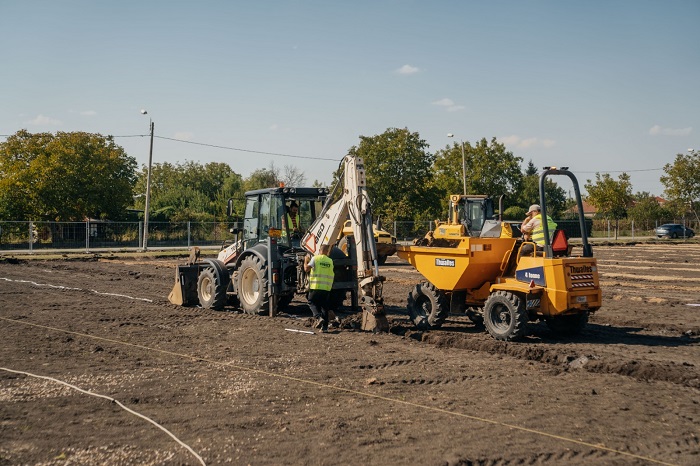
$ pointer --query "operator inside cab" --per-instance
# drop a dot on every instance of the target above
(292, 223)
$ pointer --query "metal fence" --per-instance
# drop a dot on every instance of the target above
(104, 234)
(117, 235)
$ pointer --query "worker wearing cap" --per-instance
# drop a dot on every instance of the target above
(532, 228)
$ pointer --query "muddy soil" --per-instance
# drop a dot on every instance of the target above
(241, 389)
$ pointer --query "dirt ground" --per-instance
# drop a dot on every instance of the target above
(241, 389)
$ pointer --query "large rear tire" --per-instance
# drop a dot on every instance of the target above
(253, 286)
(505, 316)
(567, 325)
(427, 306)
(211, 290)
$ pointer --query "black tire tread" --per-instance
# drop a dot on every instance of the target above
(439, 307)
(261, 307)
(518, 316)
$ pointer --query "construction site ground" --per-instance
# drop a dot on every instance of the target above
(233, 388)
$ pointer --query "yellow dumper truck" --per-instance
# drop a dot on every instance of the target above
(475, 265)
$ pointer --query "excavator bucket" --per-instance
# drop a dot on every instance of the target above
(175, 295)
(184, 292)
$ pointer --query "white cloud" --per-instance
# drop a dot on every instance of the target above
(407, 69)
(444, 102)
(274, 127)
(184, 135)
(657, 130)
(88, 113)
(449, 105)
(520, 143)
(42, 120)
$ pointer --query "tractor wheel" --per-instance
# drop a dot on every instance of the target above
(252, 286)
(381, 260)
(427, 306)
(567, 325)
(505, 316)
(211, 291)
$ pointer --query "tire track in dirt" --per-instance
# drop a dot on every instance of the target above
(569, 359)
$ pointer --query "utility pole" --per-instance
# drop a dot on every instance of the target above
(464, 166)
(148, 188)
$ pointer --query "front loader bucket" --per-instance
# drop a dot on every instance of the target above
(184, 292)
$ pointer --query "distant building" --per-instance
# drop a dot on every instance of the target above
(589, 210)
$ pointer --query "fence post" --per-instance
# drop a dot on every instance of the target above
(31, 236)
(140, 235)
(395, 229)
(632, 229)
(189, 231)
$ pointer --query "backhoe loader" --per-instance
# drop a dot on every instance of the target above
(262, 270)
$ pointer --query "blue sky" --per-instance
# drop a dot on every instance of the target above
(599, 86)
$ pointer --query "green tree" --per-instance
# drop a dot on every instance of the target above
(610, 197)
(68, 176)
(529, 194)
(398, 174)
(646, 210)
(262, 178)
(682, 182)
(490, 170)
(189, 191)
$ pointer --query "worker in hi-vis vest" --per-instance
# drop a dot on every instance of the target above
(292, 223)
(533, 230)
(320, 284)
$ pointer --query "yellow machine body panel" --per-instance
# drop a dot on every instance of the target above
(473, 262)
(563, 285)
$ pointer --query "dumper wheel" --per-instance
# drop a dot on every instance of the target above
(505, 316)
(427, 306)
(252, 286)
(476, 315)
(211, 290)
(567, 325)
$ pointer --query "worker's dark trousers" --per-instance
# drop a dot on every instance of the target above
(318, 302)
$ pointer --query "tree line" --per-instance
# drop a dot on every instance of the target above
(71, 176)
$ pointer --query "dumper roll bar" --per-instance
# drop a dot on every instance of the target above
(587, 250)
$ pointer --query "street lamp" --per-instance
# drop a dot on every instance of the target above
(464, 166)
(148, 187)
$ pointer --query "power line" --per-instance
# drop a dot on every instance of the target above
(625, 171)
(250, 151)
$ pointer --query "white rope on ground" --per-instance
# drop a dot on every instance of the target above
(252, 370)
(199, 458)
(61, 287)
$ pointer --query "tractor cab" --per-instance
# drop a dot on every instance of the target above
(269, 212)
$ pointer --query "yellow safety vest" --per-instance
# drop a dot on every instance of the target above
(322, 273)
(538, 233)
(292, 222)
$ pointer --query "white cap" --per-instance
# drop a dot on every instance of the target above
(533, 208)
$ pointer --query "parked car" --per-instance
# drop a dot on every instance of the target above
(674, 230)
